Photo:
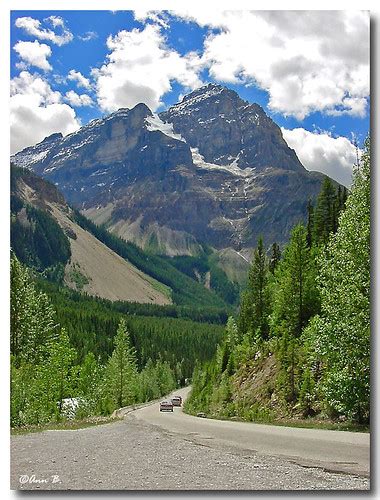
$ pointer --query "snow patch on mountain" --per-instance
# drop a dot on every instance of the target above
(154, 122)
(28, 157)
(231, 168)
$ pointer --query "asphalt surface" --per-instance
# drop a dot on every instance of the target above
(155, 451)
(333, 450)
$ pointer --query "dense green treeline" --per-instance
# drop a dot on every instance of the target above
(300, 346)
(185, 291)
(69, 359)
(36, 238)
(198, 268)
(202, 315)
(171, 339)
(91, 325)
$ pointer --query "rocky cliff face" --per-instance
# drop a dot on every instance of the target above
(229, 131)
(212, 169)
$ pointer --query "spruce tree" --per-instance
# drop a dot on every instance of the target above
(122, 368)
(275, 257)
(254, 310)
(325, 213)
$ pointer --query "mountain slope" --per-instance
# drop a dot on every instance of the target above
(92, 267)
(212, 170)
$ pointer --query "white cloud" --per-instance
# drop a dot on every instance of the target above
(140, 68)
(33, 27)
(77, 100)
(76, 76)
(157, 17)
(34, 54)
(320, 152)
(36, 111)
(306, 60)
(89, 35)
(29, 84)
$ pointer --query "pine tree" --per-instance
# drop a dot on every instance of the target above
(33, 322)
(325, 213)
(122, 369)
(275, 257)
(310, 223)
(295, 292)
(225, 353)
(254, 310)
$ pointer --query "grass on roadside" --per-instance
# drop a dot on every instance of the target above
(318, 424)
(284, 422)
(64, 425)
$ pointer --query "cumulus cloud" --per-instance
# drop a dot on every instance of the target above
(321, 152)
(60, 35)
(76, 76)
(77, 100)
(306, 60)
(36, 111)
(34, 54)
(140, 68)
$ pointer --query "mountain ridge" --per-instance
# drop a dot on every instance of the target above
(212, 169)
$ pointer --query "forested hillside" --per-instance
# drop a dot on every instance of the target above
(78, 348)
(185, 290)
(300, 345)
(36, 238)
(297, 348)
(80, 344)
(65, 247)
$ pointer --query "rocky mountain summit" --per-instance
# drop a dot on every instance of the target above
(212, 169)
(229, 131)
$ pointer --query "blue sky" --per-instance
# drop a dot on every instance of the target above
(308, 70)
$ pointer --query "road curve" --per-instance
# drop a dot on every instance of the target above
(149, 450)
(337, 451)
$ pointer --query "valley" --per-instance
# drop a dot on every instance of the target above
(191, 269)
(150, 251)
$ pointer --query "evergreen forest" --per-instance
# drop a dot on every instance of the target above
(299, 346)
(294, 344)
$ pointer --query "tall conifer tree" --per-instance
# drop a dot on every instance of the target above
(254, 311)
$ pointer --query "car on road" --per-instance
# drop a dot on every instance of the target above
(166, 406)
(177, 401)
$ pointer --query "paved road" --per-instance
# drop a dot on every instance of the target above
(149, 450)
(332, 450)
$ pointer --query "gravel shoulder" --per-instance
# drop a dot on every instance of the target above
(133, 454)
